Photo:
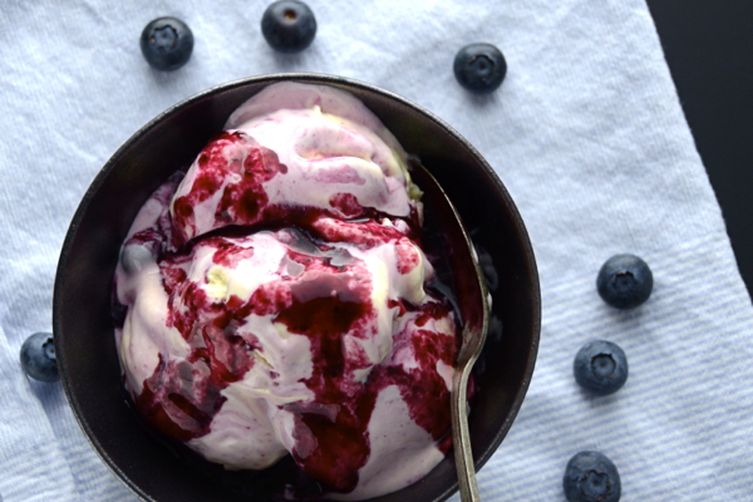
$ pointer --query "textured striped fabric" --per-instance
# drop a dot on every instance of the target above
(587, 134)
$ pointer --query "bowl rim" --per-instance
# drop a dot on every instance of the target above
(312, 78)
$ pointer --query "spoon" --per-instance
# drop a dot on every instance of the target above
(473, 304)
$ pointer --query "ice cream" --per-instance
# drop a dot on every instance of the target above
(278, 302)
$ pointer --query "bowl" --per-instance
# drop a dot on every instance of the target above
(83, 327)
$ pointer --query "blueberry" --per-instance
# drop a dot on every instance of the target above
(601, 367)
(625, 281)
(134, 257)
(166, 43)
(480, 67)
(591, 477)
(38, 357)
(486, 263)
(288, 25)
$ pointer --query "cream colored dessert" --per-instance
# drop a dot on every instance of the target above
(277, 303)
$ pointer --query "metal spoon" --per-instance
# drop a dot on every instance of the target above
(473, 303)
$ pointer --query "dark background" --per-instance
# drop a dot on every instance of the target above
(709, 48)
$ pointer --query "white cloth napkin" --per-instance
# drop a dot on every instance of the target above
(586, 132)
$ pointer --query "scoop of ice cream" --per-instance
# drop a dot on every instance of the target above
(277, 300)
(316, 154)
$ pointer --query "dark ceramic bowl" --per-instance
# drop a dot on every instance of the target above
(81, 312)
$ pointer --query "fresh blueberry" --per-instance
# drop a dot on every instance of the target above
(625, 281)
(480, 67)
(591, 477)
(601, 367)
(167, 43)
(38, 357)
(288, 25)
(486, 263)
(134, 257)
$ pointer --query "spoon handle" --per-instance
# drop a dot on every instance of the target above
(461, 438)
